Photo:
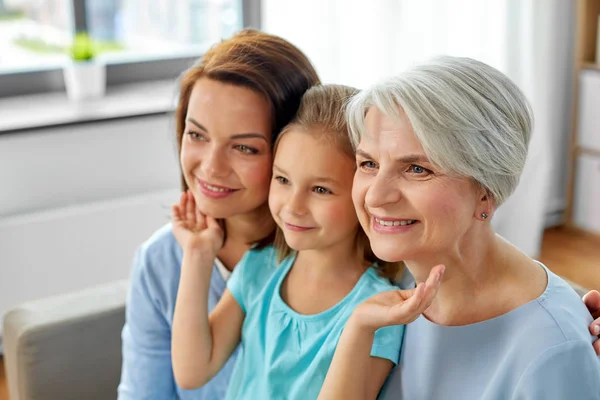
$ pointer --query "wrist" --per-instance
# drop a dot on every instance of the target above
(359, 326)
(202, 251)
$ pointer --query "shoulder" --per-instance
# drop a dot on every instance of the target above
(257, 265)
(555, 321)
(567, 370)
(161, 244)
(376, 283)
(156, 269)
(159, 256)
(369, 284)
(562, 308)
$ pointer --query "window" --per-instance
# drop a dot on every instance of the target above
(36, 35)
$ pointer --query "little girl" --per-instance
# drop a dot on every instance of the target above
(287, 305)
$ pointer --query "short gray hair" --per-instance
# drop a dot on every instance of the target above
(471, 119)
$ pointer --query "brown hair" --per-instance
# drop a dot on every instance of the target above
(265, 63)
(322, 112)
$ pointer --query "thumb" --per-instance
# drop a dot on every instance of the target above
(592, 302)
(212, 223)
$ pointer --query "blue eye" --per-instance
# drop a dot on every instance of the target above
(418, 170)
(367, 165)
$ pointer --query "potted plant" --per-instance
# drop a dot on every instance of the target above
(85, 76)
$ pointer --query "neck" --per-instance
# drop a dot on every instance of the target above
(250, 227)
(479, 279)
(340, 259)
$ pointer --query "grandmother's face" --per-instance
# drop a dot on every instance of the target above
(409, 208)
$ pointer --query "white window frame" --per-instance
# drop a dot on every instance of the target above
(117, 72)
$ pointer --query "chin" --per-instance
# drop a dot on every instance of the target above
(299, 245)
(217, 210)
(389, 251)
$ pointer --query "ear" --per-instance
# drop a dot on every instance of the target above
(485, 205)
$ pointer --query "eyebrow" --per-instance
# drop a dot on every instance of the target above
(408, 159)
(249, 135)
(362, 153)
(413, 158)
(323, 179)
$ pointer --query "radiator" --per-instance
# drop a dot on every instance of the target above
(66, 249)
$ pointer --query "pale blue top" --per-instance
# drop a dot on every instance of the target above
(541, 350)
(284, 354)
(147, 372)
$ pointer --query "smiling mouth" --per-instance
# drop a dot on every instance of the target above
(296, 227)
(388, 222)
(216, 188)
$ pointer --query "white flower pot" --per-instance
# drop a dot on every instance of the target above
(85, 80)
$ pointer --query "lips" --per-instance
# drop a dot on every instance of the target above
(297, 228)
(394, 222)
(215, 191)
(392, 225)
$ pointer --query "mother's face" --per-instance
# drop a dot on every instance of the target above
(226, 148)
(409, 208)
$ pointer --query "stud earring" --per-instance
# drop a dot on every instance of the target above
(484, 215)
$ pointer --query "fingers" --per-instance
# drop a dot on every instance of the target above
(177, 209)
(595, 327)
(175, 212)
(190, 208)
(597, 346)
(212, 223)
(432, 285)
(592, 302)
(420, 299)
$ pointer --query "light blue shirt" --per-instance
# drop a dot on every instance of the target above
(147, 372)
(541, 350)
(284, 354)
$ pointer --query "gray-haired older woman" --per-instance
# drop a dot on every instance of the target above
(439, 148)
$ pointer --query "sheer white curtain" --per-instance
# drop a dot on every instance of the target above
(357, 42)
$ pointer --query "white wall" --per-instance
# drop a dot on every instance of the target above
(76, 201)
(356, 42)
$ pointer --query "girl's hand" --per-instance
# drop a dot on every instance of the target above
(193, 230)
(398, 307)
(592, 302)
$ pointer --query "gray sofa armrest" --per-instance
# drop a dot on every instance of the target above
(67, 346)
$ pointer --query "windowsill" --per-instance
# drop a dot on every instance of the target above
(45, 110)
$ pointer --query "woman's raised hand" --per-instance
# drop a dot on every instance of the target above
(194, 230)
(398, 307)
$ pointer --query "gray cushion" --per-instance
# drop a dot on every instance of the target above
(67, 346)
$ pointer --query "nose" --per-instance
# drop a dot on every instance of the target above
(214, 163)
(296, 204)
(383, 190)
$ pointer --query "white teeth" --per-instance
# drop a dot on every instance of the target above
(395, 223)
(214, 188)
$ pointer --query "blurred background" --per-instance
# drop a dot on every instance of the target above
(88, 172)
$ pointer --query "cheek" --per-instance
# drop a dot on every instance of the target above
(187, 160)
(256, 174)
(275, 198)
(340, 214)
(359, 190)
(446, 209)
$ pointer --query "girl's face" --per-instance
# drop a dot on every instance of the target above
(409, 208)
(310, 196)
(226, 148)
